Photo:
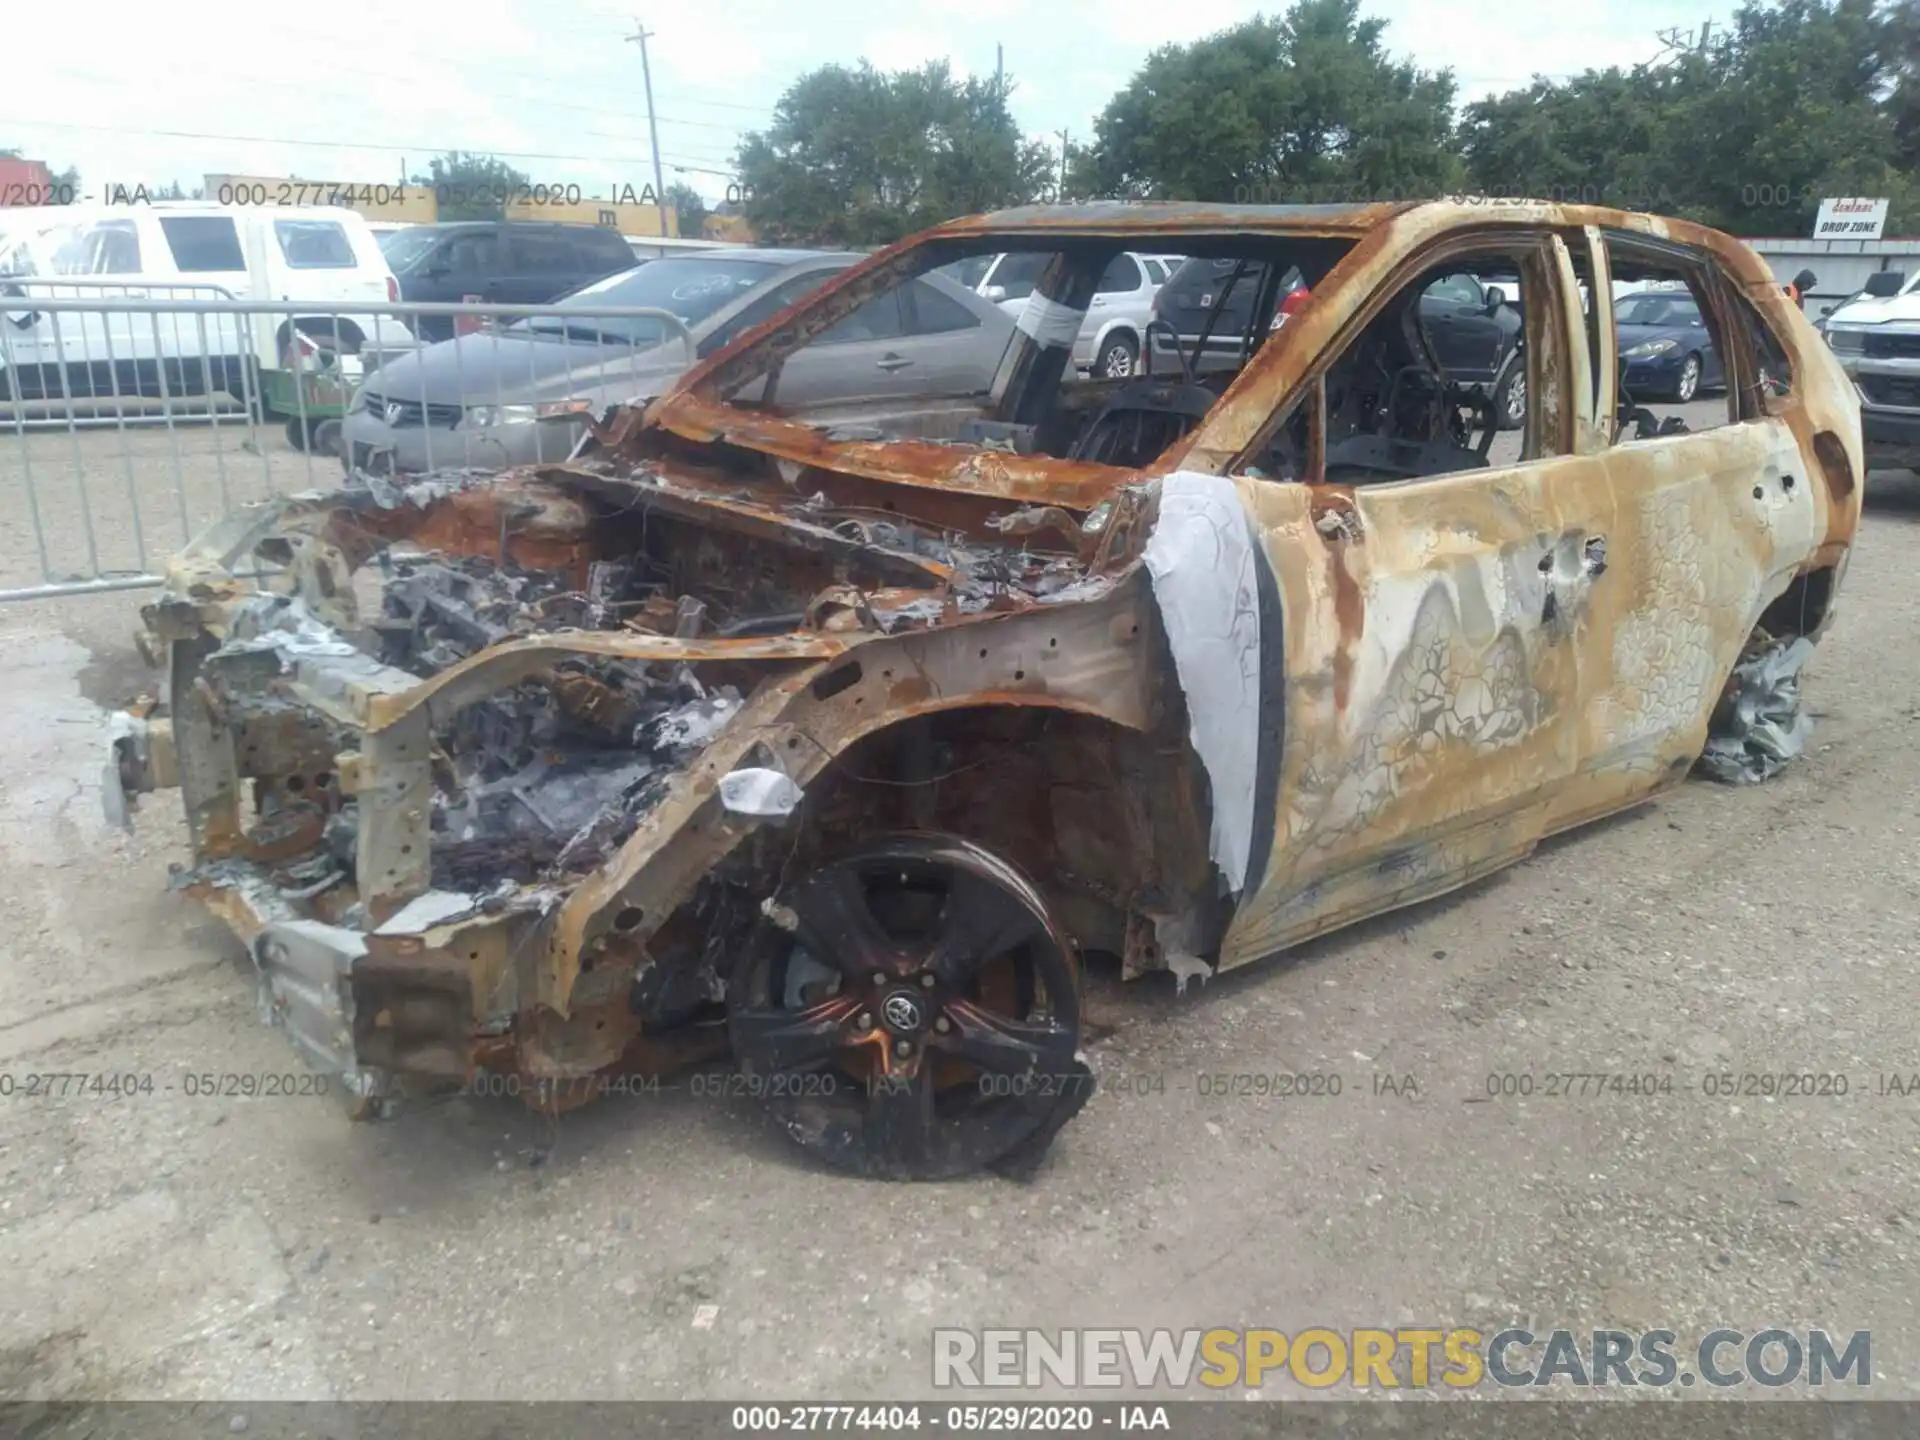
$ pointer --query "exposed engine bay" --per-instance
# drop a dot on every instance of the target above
(457, 720)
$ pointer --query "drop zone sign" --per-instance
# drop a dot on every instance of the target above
(1850, 219)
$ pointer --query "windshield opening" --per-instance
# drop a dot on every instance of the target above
(404, 248)
(1071, 349)
(692, 289)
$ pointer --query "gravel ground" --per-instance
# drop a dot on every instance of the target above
(121, 501)
(672, 1246)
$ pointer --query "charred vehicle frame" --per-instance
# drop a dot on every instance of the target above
(837, 739)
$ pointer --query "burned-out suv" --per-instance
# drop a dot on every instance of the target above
(840, 734)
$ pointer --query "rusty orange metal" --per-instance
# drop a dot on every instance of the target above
(968, 638)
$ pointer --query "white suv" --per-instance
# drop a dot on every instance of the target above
(1109, 341)
(186, 251)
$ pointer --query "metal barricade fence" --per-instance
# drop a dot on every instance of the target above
(128, 424)
(94, 334)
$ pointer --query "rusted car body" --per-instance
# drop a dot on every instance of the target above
(839, 740)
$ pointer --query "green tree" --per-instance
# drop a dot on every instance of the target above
(689, 209)
(471, 186)
(1796, 112)
(1900, 60)
(1600, 138)
(856, 156)
(1300, 107)
(1796, 100)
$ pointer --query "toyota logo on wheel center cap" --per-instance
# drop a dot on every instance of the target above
(902, 1013)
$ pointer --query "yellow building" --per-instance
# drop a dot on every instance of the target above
(731, 228)
(636, 219)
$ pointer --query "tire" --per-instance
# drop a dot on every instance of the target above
(1510, 397)
(1119, 358)
(867, 1053)
(1688, 385)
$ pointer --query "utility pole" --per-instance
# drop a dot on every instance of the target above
(1674, 40)
(1060, 191)
(641, 34)
(999, 70)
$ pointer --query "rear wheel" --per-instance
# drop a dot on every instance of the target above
(910, 1012)
(1510, 397)
(1119, 357)
(1688, 385)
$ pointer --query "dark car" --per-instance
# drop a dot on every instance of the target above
(1214, 298)
(1475, 333)
(1474, 330)
(1666, 350)
(500, 262)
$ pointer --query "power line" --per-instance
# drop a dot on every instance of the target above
(273, 83)
(413, 149)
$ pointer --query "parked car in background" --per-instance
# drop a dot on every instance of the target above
(1110, 338)
(1474, 330)
(660, 247)
(1109, 341)
(1876, 338)
(189, 250)
(1208, 304)
(1666, 350)
(522, 392)
(499, 262)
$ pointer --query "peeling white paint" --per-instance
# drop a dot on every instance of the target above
(1203, 561)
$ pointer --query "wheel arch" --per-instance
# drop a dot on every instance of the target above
(1785, 614)
(1109, 822)
(1119, 324)
(1061, 682)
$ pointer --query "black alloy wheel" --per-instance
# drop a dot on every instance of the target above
(910, 1011)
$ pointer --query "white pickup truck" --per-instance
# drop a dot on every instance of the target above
(1876, 338)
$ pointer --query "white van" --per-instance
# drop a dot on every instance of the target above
(186, 250)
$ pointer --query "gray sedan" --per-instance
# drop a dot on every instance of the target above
(520, 393)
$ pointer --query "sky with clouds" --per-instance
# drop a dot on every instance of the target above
(355, 90)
